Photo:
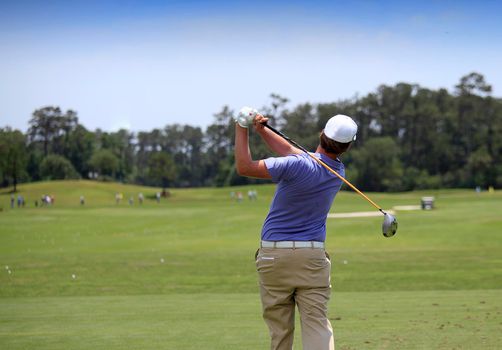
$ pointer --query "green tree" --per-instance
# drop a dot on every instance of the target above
(472, 83)
(219, 147)
(120, 144)
(56, 167)
(478, 168)
(185, 143)
(475, 132)
(80, 149)
(161, 169)
(378, 165)
(438, 138)
(104, 162)
(301, 126)
(143, 149)
(50, 127)
(13, 156)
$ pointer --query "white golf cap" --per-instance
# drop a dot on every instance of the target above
(341, 128)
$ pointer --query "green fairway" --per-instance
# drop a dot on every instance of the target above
(180, 274)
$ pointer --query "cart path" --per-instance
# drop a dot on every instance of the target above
(361, 214)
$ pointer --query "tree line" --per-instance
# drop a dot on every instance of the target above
(410, 137)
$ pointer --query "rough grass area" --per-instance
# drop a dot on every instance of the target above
(180, 274)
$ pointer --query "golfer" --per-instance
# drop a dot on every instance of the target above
(292, 265)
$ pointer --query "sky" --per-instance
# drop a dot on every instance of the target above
(145, 64)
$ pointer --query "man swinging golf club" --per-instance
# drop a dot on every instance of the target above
(293, 267)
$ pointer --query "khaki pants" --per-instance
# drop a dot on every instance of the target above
(290, 277)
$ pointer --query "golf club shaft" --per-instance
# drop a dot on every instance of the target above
(324, 165)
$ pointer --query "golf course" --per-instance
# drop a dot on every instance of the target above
(180, 274)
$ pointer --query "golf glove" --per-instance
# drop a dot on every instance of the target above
(246, 116)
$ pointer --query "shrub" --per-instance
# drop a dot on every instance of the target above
(55, 167)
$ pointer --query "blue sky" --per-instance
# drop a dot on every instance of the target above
(145, 64)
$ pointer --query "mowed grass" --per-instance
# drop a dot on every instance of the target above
(181, 275)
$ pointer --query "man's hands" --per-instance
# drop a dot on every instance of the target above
(258, 122)
(248, 116)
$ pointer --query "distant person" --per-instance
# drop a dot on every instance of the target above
(131, 200)
(82, 200)
(252, 195)
(239, 196)
(19, 200)
(232, 195)
(12, 201)
(157, 197)
(141, 198)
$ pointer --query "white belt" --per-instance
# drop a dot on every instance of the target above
(292, 244)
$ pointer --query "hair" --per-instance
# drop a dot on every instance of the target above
(332, 146)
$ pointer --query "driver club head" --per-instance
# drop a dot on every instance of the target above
(389, 225)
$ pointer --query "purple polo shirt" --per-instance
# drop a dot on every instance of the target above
(302, 199)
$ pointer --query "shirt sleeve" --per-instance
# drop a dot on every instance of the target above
(282, 168)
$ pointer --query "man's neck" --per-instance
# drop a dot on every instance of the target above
(323, 151)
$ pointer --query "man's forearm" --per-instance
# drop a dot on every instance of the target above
(244, 163)
(276, 143)
(241, 151)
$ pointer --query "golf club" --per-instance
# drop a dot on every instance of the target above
(389, 225)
